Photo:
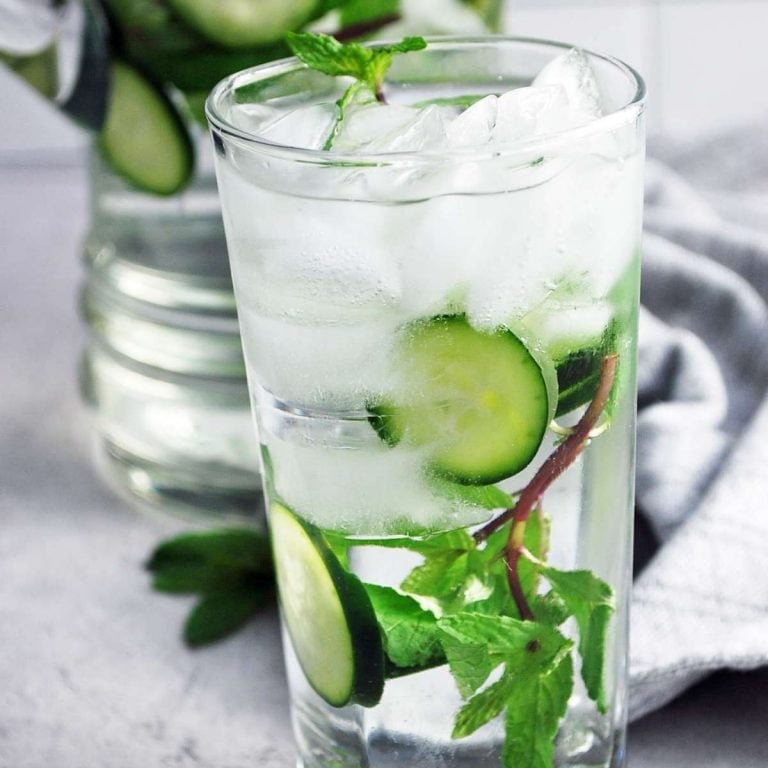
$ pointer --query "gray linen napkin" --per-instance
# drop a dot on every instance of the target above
(701, 603)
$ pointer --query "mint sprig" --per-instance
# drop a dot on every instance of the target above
(219, 614)
(229, 569)
(367, 65)
(496, 624)
(533, 688)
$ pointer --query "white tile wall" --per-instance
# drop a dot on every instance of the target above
(29, 125)
(714, 65)
(705, 62)
(625, 30)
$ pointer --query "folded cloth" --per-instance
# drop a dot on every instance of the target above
(701, 603)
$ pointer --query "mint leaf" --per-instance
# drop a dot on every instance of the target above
(534, 710)
(475, 644)
(550, 609)
(239, 548)
(534, 687)
(536, 541)
(485, 496)
(186, 579)
(368, 65)
(443, 576)
(412, 638)
(494, 569)
(470, 664)
(219, 614)
(339, 546)
(327, 55)
(591, 601)
(357, 93)
(229, 567)
(457, 539)
(502, 637)
(382, 59)
(464, 101)
(483, 707)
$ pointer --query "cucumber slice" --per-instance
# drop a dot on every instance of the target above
(144, 139)
(243, 23)
(328, 614)
(480, 401)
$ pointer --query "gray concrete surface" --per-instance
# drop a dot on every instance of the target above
(92, 674)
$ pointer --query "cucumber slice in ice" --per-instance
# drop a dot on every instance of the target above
(480, 401)
(328, 614)
(144, 138)
(242, 23)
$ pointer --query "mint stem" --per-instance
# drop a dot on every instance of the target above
(515, 586)
(559, 460)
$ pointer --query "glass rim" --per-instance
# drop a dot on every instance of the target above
(622, 115)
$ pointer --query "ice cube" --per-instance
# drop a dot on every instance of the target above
(426, 130)
(525, 251)
(531, 111)
(365, 124)
(374, 490)
(560, 327)
(322, 365)
(253, 118)
(517, 114)
(474, 126)
(306, 127)
(574, 73)
(392, 128)
(580, 229)
(307, 258)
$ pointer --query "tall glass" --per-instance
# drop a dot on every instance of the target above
(441, 352)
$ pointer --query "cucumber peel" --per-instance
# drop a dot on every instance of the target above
(328, 614)
(144, 139)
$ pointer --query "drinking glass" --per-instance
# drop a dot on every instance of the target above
(440, 342)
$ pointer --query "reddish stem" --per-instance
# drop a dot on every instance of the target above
(515, 586)
(557, 462)
(560, 459)
(363, 28)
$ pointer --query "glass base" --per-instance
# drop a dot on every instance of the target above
(410, 727)
(206, 495)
